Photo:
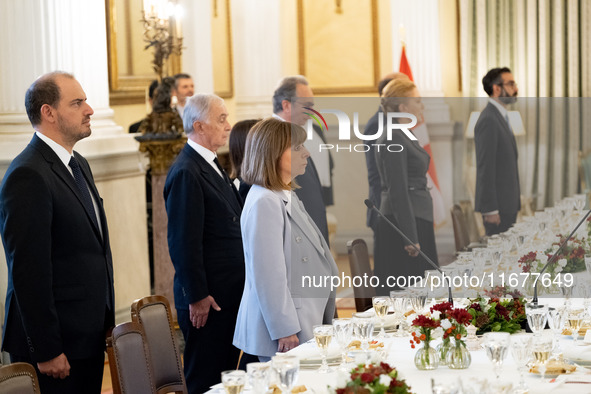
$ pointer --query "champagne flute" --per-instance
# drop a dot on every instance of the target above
(343, 330)
(287, 368)
(323, 336)
(575, 319)
(233, 381)
(380, 306)
(541, 349)
(399, 302)
(557, 320)
(521, 352)
(537, 317)
(363, 326)
(496, 345)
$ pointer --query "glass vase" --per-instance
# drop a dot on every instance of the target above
(426, 358)
(458, 356)
(442, 350)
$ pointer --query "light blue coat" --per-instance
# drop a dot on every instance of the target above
(278, 251)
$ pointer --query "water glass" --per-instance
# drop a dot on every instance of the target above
(537, 317)
(418, 300)
(556, 321)
(258, 376)
(363, 326)
(343, 331)
(233, 381)
(521, 353)
(287, 368)
(496, 345)
(323, 336)
(399, 303)
(380, 306)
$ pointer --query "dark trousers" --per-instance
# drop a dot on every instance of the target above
(209, 349)
(507, 220)
(86, 376)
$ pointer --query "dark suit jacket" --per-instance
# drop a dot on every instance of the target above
(204, 237)
(310, 193)
(373, 176)
(327, 191)
(60, 271)
(404, 183)
(497, 174)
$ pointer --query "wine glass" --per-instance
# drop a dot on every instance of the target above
(537, 317)
(287, 368)
(521, 352)
(575, 319)
(556, 321)
(496, 345)
(363, 326)
(258, 376)
(323, 336)
(343, 330)
(380, 306)
(541, 349)
(233, 381)
(399, 302)
(418, 300)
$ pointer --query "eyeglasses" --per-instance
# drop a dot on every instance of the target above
(511, 84)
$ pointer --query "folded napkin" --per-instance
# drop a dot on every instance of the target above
(309, 351)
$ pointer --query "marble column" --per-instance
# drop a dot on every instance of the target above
(256, 55)
(421, 30)
(39, 36)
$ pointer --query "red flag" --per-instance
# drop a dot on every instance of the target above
(404, 66)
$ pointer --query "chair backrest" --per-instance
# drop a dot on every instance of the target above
(460, 229)
(154, 315)
(18, 378)
(475, 232)
(359, 263)
(129, 360)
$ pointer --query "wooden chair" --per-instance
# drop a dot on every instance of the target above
(359, 263)
(461, 237)
(154, 315)
(18, 378)
(129, 360)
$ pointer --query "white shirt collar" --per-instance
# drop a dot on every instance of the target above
(499, 106)
(207, 155)
(59, 150)
(279, 117)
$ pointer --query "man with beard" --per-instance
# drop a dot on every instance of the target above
(59, 302)
(497, 174)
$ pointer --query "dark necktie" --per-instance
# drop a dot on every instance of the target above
(83, 188)
(224, 175)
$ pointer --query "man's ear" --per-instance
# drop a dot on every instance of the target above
(286, 106)
(496, 90)
(197, 126)
(48, 113)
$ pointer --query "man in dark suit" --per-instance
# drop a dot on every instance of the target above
(205, 244)
(290, 98)
(373, 176)
(497, 174)
(60, 299)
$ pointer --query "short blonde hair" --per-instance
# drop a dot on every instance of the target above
(395, 93)
(265, 144)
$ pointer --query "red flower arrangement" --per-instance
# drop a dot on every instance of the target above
(372, 378)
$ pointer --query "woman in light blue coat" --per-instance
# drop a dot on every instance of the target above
(285, 254)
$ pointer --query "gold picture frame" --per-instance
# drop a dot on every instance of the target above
(129, 87)
(223, 63)
(321, 38)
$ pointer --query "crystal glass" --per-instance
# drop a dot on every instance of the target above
(575, 320)
(380, 306)
(343, 331)
(363, 327)
(537, 317)
(521, 353)
(556, 321)
(287, 368)
(399, 300)
(496, 345)
(233, 381)
(541, 350)
(418, 300)
(323, 335)
(258, 376)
